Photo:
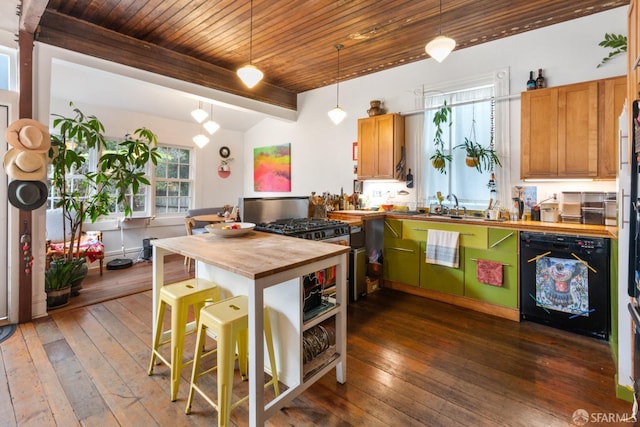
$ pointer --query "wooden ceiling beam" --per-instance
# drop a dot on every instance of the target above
(30, 13)
(79, 36)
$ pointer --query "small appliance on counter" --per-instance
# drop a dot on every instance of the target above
(549, 211)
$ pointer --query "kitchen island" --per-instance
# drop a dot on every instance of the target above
(268, 269)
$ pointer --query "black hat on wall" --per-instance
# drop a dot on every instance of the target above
(27, 195)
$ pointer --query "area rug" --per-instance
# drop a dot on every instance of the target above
(6, 331)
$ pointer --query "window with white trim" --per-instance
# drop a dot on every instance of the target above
(173, 181)
(169, 192)
(479, 112)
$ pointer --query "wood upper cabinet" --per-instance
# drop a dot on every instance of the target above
(613, 94)
(539, 133)
(571, 131)
(578, 130)
(380, 140)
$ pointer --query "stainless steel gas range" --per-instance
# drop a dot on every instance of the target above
(288, 216)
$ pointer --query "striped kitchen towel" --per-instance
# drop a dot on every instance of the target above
(442, 248)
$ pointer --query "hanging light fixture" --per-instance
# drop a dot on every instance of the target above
(199, 114)
(249, 74)
(337, 114)
(440, 47)
(210, 125)
(201, 140)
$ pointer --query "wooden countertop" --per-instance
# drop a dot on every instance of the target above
(254, 255)
(537, 226)
(356, 217)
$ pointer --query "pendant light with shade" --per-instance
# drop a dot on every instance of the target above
(249, 74)
(337, 114)
(440, 47)
(199, 114)
(201, 140)
(211, 126)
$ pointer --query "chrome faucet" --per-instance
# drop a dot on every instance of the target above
(455, 198)
(454, 209)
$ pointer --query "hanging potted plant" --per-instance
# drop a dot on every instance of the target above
(478, 156)
(439, 158)
(118, 174)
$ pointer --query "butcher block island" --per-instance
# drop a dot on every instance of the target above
(269, 269)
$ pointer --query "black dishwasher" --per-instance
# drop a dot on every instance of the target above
(564, 282)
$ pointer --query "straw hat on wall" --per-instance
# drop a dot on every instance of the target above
(28, 135)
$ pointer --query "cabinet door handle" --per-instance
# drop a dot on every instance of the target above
(622, 210)
(476, 259)
(400, 249)
(391, 228)
(426, 229)
(501, 240)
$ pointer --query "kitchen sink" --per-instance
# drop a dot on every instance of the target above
(455, 217)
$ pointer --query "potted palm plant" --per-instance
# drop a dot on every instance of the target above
(118, 175)
(439, 158)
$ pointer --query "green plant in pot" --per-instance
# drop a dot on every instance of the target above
(439, 158)
(59, 278)
(118, 175)
(478, 156)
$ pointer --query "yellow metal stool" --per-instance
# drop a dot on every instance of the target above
(180, 296)
(229, 321)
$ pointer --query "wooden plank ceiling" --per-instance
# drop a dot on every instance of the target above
(205, 41)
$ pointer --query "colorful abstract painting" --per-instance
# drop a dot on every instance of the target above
(272, 168)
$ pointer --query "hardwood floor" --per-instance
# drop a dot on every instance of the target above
(119, 283)
(411, 362)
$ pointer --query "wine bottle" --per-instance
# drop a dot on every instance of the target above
(540, 83)
(531, 83)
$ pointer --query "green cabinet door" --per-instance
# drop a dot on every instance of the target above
(392, 229)
(440, 278)
(401, 261)
(502, 248)
(471, 236)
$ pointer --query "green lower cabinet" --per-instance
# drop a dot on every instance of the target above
(440, 278)
(505, 252)
(400, 261)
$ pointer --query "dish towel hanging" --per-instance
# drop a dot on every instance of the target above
(442, 248)
(489, 272)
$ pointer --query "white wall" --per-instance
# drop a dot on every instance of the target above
(321, 151)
